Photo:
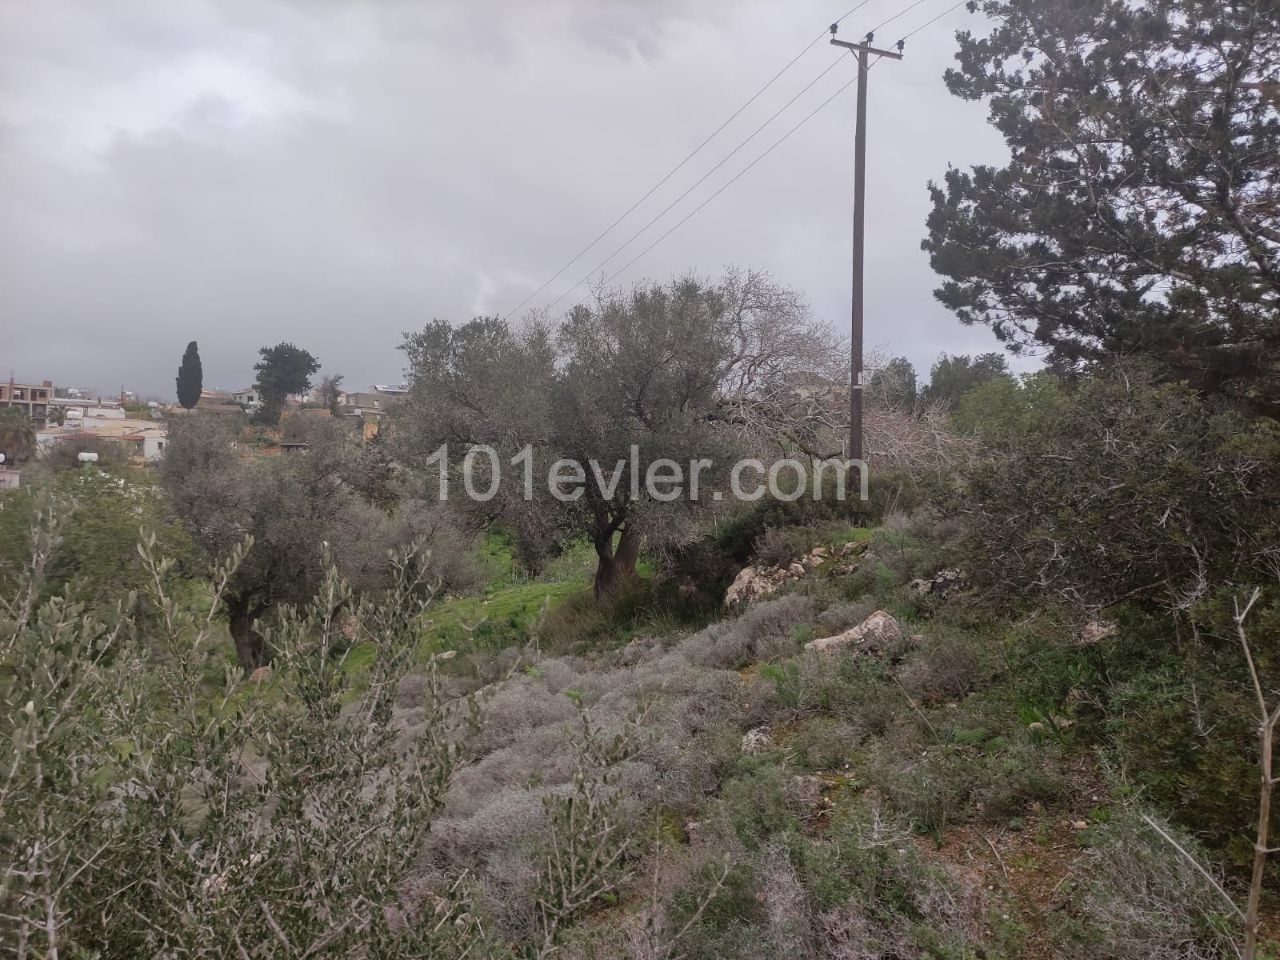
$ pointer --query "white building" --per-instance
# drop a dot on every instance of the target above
(148, 443)
(144, 439)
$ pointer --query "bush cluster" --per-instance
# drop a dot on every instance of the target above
(1123, 489)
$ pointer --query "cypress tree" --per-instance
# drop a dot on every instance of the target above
(190, 379)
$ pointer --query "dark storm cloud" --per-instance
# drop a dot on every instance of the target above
(336, 173)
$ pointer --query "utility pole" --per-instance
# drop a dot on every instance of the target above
(859, 209)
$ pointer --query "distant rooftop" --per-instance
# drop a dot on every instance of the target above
(107, 429)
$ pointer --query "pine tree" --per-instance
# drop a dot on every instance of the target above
(190, 379)
(1139, 210)
(283, 370)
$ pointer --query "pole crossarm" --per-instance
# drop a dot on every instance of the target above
(892, 54)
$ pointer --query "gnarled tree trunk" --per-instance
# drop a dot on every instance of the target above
(616, 564)
(241, 614)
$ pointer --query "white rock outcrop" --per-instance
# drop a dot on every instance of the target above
(756, 582)
(876, 633)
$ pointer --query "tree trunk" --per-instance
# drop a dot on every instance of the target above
(240, 618)
(616, 566)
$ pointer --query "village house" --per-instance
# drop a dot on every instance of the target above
(143, 440)
(371, 405)
(219, 402)
(248, 397)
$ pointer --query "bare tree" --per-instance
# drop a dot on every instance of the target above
(329, 391)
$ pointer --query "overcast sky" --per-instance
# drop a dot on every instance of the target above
(242, 172)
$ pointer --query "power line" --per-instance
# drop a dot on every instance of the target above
(900, 13)
(697, 183)
(613, 276)
(929, 23)
(779, 142)
(679, 166)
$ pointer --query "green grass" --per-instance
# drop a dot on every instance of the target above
(497, 559)
(508, 612)
(501, 617)
(839, 538)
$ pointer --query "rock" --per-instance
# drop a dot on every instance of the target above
(1036, 726)
(874, 634)
(753, 741)
(848, 557)
(753, 583)
(1097, 630)
(261, 674)
(833, 643)
(941, 583)
(748, 586)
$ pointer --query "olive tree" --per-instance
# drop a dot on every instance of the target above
(154, 808)
(584, 416)
(335, 495)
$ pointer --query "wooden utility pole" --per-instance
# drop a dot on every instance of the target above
(859, 208)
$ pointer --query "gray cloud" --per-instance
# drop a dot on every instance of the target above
(335, 173)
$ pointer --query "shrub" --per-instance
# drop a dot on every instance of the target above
(823, 743)
(755, 801)
(1142, 900)
(64, 455)
(94, 558)
(739, 537)
(973, 777)
(855, 688)
(1185, 734)
(727, 928)
(946, 666)
(876, 897)
(781, 546)
(1124, 489)
(148, 816)
(764, 630)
